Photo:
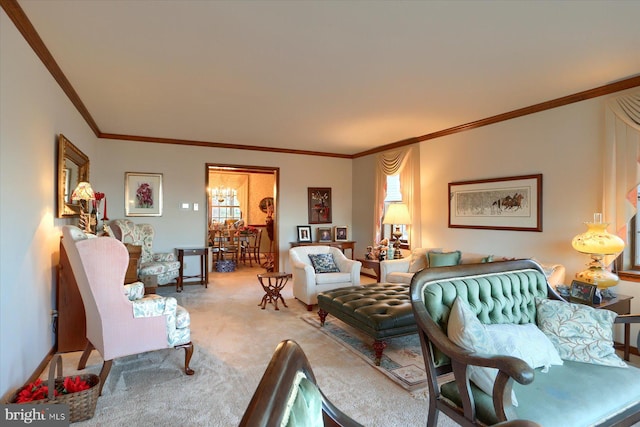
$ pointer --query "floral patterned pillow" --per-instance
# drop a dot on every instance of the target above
(324, 263)
(579, 332)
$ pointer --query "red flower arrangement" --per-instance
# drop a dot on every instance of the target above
(38, 390)
(247, 229)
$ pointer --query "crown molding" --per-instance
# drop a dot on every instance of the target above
(22, 23)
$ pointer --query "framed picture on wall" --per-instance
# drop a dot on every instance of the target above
(341, 233)
(304, 233)
(142, 194)
(319, 200)
(511, 203)
(324, 234)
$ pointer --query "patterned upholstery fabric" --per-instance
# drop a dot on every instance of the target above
(134, 291)
(162, 265)
(177, 318)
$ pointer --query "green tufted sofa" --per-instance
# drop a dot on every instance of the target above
(573, 394)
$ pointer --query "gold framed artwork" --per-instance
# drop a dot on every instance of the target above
(324, 234)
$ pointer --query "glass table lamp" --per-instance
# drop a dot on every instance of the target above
(597, 242)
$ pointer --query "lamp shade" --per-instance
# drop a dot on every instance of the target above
(83, 192)
(597, 240)
(397, 214)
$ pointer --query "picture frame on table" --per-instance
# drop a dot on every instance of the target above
(304, 233)
(510, 203)
(324, 234)
(341, 233)
(582, 292)
(142, 194)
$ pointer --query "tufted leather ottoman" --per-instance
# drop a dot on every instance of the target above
(381, 310)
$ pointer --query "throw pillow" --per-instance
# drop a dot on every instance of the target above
(579, 332)
(465, 330)
(443, 259)
(418, 260)
(525, 342)
(323, 263)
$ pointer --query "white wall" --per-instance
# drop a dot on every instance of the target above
(563, 144)
(33, 111)
(184, 180)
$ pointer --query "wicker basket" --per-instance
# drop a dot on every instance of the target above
(82, 404)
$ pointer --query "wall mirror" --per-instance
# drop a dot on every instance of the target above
(73, 167)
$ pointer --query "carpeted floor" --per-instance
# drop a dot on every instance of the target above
(234, 340)
(401, 360)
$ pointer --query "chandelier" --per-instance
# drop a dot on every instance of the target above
(221, 193)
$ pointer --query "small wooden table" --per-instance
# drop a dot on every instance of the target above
(273, 283)
(340, 245)
(621, 304)
(203, 252)
(373, 264)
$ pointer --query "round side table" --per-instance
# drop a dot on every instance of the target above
(273, 283)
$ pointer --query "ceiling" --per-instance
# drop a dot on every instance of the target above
(341, 77)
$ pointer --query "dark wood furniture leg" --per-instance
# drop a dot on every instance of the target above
(85, 355)
(188, 352)
(104, 373)
(378, 348)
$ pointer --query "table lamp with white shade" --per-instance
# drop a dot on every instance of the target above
(83, 193)
(397, 214)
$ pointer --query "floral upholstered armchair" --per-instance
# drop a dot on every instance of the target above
(163, 266)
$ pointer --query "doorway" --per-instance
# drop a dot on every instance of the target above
(248, 194)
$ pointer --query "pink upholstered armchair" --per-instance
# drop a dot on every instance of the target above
(120, 321)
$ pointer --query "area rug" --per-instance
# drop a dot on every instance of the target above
(401, 360)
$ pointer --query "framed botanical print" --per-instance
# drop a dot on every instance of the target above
(142, 194)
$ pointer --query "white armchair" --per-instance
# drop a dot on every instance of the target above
(307, 284)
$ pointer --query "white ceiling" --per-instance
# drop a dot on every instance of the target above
(331, 76)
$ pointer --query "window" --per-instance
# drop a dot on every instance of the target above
(224, 205)
(393, 196)
(628, 263)
(634, 240)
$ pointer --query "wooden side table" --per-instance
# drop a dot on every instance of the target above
(373, 264)
(349, 244)
(203, 252)
(135, 251)
(273, 283)
(621, 304)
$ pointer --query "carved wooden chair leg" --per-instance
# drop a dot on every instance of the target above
(85, 355)
(188, 352)
(104, 373)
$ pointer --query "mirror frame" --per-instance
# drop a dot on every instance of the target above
(68, 151)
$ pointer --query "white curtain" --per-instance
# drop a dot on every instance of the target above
(403, 161)
(621, 162)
